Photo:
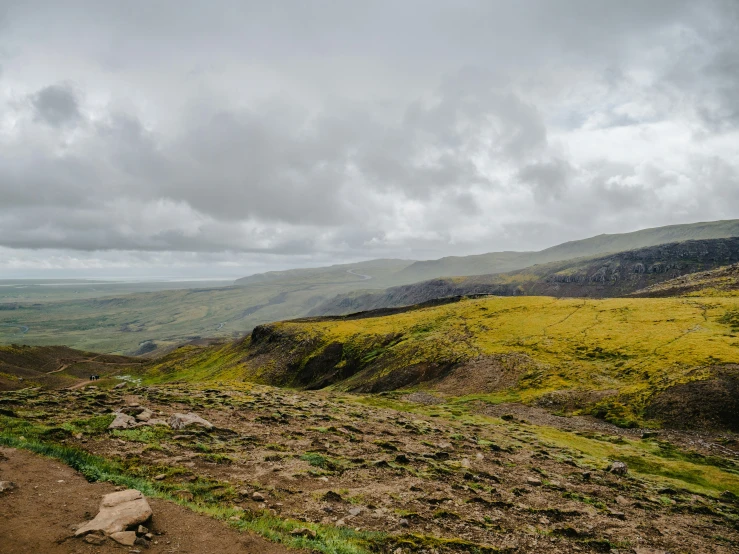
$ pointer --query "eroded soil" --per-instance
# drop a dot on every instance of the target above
(332, 459)
(50, 498)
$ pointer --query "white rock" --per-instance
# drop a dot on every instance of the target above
(118, 512)
(180, 421)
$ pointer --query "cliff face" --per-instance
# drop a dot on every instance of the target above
(614, 275)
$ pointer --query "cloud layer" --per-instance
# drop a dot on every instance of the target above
(237, 133)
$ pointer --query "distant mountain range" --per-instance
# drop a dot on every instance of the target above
(399, 272)
(612, 275)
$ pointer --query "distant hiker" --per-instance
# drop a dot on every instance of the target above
(92, 377)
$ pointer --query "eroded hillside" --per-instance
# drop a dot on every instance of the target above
(626, 360)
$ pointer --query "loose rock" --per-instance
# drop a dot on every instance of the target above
(126, 538)
(6, 486)
(180, 421)
(118, 512)
(122, 421)
(618, 468)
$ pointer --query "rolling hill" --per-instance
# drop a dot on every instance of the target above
(501, 262)
(627, 360)
(612, 275)
(108, 319)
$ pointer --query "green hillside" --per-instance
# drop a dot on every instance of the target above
(626, 360)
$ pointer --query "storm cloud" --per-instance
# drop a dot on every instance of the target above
(241, 135)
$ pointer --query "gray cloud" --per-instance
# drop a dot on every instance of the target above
(56, 105)
(333, 131)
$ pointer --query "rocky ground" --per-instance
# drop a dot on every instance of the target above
(48, 500)
(456, 482)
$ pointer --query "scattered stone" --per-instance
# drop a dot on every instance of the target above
(142, 530)
(141, 541)
(355, 511)
(304, 532)
(180, 421)
(122, 421)
(145, 415)
(132, 410)
(160, 477)
(118, 512)
(533, 481)
(586, 475)
(404, 522)
(649, 434)
(120, 386)
(616, 514)
(126, 538)
(618, 468)
(6, 486)
(257, 497)
(183, 494)
(332, 496)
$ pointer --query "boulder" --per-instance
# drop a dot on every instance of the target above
(180, 421)
(122, 421)
(618, 468)
(119, 511)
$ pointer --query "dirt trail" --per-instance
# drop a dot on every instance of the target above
(50, 497)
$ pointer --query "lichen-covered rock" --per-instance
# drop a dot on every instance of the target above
(618, 468)
(180, 421)
(119, 511)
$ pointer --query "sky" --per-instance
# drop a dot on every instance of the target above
(215, 139)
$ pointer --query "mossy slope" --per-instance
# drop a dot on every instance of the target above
(629, 350)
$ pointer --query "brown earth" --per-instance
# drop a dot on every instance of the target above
(38, 516)
(486, 374)
(326, 458)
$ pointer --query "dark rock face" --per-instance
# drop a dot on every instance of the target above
(617, 274)
(712, 403)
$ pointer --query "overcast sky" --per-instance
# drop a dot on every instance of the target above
(192, 138)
